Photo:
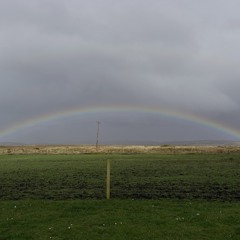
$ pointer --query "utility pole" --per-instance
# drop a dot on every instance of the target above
(98, 125)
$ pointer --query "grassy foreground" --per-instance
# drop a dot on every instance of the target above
(119, 220)
(62, 197)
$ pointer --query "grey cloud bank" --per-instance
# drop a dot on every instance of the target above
(180, 55)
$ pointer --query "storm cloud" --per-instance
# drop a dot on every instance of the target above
(179, 55)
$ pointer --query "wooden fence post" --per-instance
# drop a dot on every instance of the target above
(108, 180)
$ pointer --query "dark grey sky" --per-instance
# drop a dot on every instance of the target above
(62, 54)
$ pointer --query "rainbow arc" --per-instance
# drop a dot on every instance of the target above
(184, 116)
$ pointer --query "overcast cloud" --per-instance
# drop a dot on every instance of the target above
(60, 54)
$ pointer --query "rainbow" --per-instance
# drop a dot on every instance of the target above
(185, 116)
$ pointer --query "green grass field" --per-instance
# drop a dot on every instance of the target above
(191, 196)
(119, 220)
(58, 177)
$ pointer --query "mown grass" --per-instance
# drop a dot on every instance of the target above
(119, 220)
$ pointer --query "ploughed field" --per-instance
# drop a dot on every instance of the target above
(133, 176)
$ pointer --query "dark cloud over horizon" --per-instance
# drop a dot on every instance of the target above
(61, 54)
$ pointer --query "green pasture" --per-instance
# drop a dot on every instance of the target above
(175, 197)
(58, 177)
(119, 220)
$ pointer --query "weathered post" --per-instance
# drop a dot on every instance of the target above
(108, 180)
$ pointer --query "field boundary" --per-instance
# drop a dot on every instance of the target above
(116, 149)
